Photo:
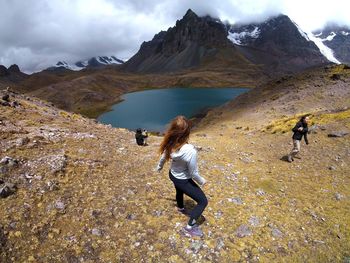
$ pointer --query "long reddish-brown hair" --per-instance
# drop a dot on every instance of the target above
(176, 136)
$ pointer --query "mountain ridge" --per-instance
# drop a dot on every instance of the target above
(94, 62)
(281, 46)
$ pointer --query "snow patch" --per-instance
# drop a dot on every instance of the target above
(326, 51)
(330, 37)
(302, 33)
(345, 33)
(83, 64)
(236, 38)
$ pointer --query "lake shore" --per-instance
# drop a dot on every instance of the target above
(152, 109)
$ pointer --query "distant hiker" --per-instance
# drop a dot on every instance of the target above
(183, 171)
(140, 138)
(299, 130)
(145, 136)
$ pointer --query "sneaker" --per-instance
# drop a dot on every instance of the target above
(194, 231)
(290, 159)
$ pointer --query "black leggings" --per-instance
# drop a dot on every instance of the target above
(190, 188)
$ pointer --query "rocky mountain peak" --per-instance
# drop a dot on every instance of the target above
(14, 69)
(3, 71)
(190, 40)
(275, 42)
(190, 14)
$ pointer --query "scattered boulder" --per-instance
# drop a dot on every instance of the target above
(338, 134)
(22, 141)
(59, 205)
(157, 213)
(246, 159)
(14, 104)
(235, 200)
(3, 169)
(254, 221)
(8, 161)
(7, 189)
(260, 192)
(131, 217)
(196, 246)
(58, 163)
(96, 232)
(220, 244)
(5, 103)
(52, 186)
(313, 129)
(243, 231)
(3, 238)
(338, 196)
(276, 232)
(6, 98)
(218, 214)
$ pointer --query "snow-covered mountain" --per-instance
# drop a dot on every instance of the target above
(336, 41)
(94, 62)
(274, 29)
(278, 43)
(280, 34)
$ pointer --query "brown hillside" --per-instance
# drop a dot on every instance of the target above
(86, 192)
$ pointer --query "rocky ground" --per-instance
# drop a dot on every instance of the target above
(73, 190)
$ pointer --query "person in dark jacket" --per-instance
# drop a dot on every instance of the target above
(140, 137)
(299, 131)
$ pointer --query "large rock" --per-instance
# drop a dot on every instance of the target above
(243, 231)
(7, 189)
(8, 161)
(338, 134)
(3, 238)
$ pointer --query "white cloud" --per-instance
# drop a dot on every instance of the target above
(37, 33)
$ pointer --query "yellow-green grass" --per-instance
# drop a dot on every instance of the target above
(286, 124)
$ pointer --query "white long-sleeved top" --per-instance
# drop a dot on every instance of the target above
(183, 164)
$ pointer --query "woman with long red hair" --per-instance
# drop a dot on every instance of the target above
(183, 170)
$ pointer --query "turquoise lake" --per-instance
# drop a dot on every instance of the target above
(154, 109)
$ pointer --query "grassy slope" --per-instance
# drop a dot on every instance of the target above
(118, 209)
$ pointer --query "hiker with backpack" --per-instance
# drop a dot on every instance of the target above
(299, 130)
(141, 137)
(183, 171)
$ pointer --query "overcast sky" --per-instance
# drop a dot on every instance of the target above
(36, 34)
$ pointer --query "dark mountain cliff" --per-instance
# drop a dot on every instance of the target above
(191, 42)
(277, 45)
